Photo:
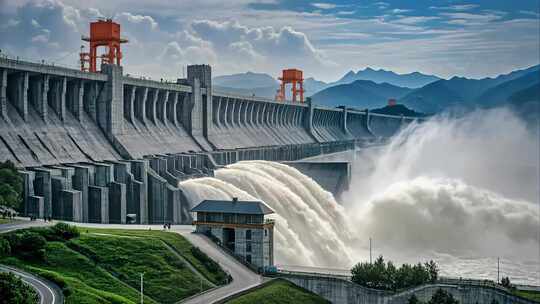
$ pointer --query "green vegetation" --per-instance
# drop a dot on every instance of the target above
(440, 296)
(279, 291)
(104, 266)
(14, 290)
(528, 294)
(386, 276)
(213, 273)
(11, 186)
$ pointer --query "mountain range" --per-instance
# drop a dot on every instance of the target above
(360, 94)
(518, 89)
(264, 85)
(470, 93)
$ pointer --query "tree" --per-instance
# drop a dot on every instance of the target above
(5, 249)
(506, 282)
(14, 290)
(442, 296)
(11, 186)
(433, 271)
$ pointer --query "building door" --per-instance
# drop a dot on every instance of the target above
(228, 238)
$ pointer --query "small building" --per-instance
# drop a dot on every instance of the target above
(240, 227)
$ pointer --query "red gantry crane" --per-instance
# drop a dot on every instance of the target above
(292, 76)
(102, 33)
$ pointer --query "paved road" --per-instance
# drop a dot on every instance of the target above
(48, 292)
(243, 277)
(22, 223)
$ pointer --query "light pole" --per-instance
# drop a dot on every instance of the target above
(498, 271)
(370, 260)
(142, 294)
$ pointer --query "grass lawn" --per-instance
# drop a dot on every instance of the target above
(531, 295)
(279, 291)
(176, 241)
(104, 266)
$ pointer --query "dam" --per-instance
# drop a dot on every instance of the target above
(97, 147)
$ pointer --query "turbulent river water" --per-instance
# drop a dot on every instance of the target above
(462, 192)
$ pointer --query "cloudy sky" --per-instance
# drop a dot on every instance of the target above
(326, 39)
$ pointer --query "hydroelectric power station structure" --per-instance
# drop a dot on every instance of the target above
(104, 147)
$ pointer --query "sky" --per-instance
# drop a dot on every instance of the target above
(326, 39)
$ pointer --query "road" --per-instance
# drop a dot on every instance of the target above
(22, 223)
(48, 292)
(243, 277)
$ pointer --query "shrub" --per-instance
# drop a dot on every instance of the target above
(66, 231)
(5, 249)
(385, 276)
(442, 297)
(27, 244)
(208, 263)
(14, 290)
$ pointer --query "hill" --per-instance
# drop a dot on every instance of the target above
(459, 92)
(279, 291)
(411, 80)
(248, 80)
(103, 265)
(398, 110)
(359, 94)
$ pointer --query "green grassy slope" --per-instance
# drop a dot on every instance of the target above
(279, 291)
(104, 266)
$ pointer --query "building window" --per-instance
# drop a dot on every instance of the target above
(265, 232)
(248, 234)
(248, 258)
(248, 247)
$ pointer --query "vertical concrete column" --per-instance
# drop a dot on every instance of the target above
(163, 108)
(151, 110)
(110, 106)
(28, 189)
(131, 105)
(117, 203)
(19, 94)
(368, 122)
(61, 98)
(171, 108)
(142, 96)
(81, 181)
(76, 95)
(43, 188)
(202, 106)
(308, 122)
(42, 106)
(3, 93)
(91, 93)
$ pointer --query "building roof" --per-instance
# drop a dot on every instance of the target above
(233, 206)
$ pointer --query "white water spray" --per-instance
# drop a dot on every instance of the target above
(461, 192)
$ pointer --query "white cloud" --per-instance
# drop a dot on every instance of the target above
(415, 19)
(400, 11)
(324, 5)
(457, 7)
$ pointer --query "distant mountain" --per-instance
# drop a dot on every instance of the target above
(312, 86)
(526, 103)
(247, 80)
(459, 92)
(411, 80)
(359, 94)
(398, 110)
(501, 93)
(267, 92)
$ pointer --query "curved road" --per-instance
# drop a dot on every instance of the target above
(243, 277)
(48, 292)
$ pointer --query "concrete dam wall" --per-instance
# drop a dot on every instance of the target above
(99, 146)
(342, 291)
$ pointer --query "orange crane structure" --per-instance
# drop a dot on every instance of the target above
(102, 33)
(294, 77)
